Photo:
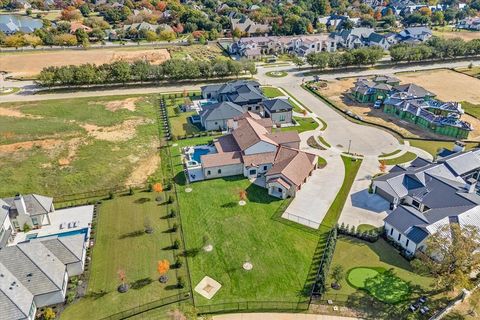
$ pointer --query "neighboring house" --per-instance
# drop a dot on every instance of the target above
(428, 195)
(246, 94)
(145, 26)
(336, 22)
(279, 110)
(353, 38)
(216, 116)
(236, 98)
(252, 149)
(414, 104)
(32, 210)
(469, 24)
(29, 25)
(249, 27)
(256, 47)
(415, 34)
(37, 273)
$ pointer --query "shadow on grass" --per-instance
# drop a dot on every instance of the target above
(132, 234)
(96, 294)
(141, 283)
(180, 178)
(171, 287)
(231, 204)
(142, 200)
(258, 194)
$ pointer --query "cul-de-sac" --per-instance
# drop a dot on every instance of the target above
(234, 159)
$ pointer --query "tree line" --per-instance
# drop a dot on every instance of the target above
(355, 57)
(142, 71)
(435, 48)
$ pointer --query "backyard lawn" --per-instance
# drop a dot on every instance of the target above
(304, 124)
(122, 244)
(281, 255)
(59, 147)
(179, 121)
(380, 281)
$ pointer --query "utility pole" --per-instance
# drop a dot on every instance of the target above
(349, 145)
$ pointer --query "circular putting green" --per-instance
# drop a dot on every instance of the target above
(276, 74)
(382, 284)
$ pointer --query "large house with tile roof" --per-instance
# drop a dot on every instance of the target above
(428, 195)
(252, 149)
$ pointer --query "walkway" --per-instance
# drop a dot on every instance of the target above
(278, 316)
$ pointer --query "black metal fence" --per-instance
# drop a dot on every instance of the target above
(318, 288)
(149, 306)
(254, 306)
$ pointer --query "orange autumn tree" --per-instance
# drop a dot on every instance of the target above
(242, 195)
(383, 166)
(163, 266)
(157, 187)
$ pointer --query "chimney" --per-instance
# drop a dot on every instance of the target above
(20, 204)
(471, 185)
(459, 146)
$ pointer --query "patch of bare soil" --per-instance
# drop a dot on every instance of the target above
(128, 104)
(47, 144)
(72, 146)
(15, 113)
(143, 169)
(121, 132)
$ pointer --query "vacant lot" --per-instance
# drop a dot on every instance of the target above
(29, 64)
(122, 244)
(448, 85)
(462, 34)
(68, 146)
(196, 52)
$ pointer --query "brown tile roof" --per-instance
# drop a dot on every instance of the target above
(250, 132)
(259, 158)
(280, 181)
(294, 165)
(283, 137)
(221, 159)
(226, 144)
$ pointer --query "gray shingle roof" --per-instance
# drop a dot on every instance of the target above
(278, 105)
(221, 111)
(34, 266)
(34, 203)
(67, 249)
(461, 163)
(15, 299)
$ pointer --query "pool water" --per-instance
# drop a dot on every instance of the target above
(198, 152)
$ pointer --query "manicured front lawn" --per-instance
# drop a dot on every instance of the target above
(433, 147)
(281, 255)
(304, 124)
(406, 157)
(122, 244)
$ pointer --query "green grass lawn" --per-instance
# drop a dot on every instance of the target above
(471, 109)
(474, 71)
(365, 228)
(121, 243)
(94, 163)
(276, 74)
(353, 253)
(304, 124)
(180, 122)
(390, 154)
(406, 157)
(281, 255)
(382, 284)
(324, 142)
(433, 147)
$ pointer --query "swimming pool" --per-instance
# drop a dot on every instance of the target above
(83, 231)
(198, 152)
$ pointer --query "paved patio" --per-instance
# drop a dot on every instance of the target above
(61, 221)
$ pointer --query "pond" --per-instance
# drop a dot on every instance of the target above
(10, 23)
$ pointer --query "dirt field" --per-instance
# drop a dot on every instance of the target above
(336, 92)
(30, 64)
(463, 34)
(447, 84)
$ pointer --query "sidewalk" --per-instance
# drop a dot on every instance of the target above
(278, 316)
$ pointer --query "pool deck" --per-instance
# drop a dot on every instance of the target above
(83, 215)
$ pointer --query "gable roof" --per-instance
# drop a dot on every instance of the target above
(67, 249)
(221, 111)
(277, 105)
(293, 164)
(15, 299)
(250, 132)
(413, 90)
(34, 203)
